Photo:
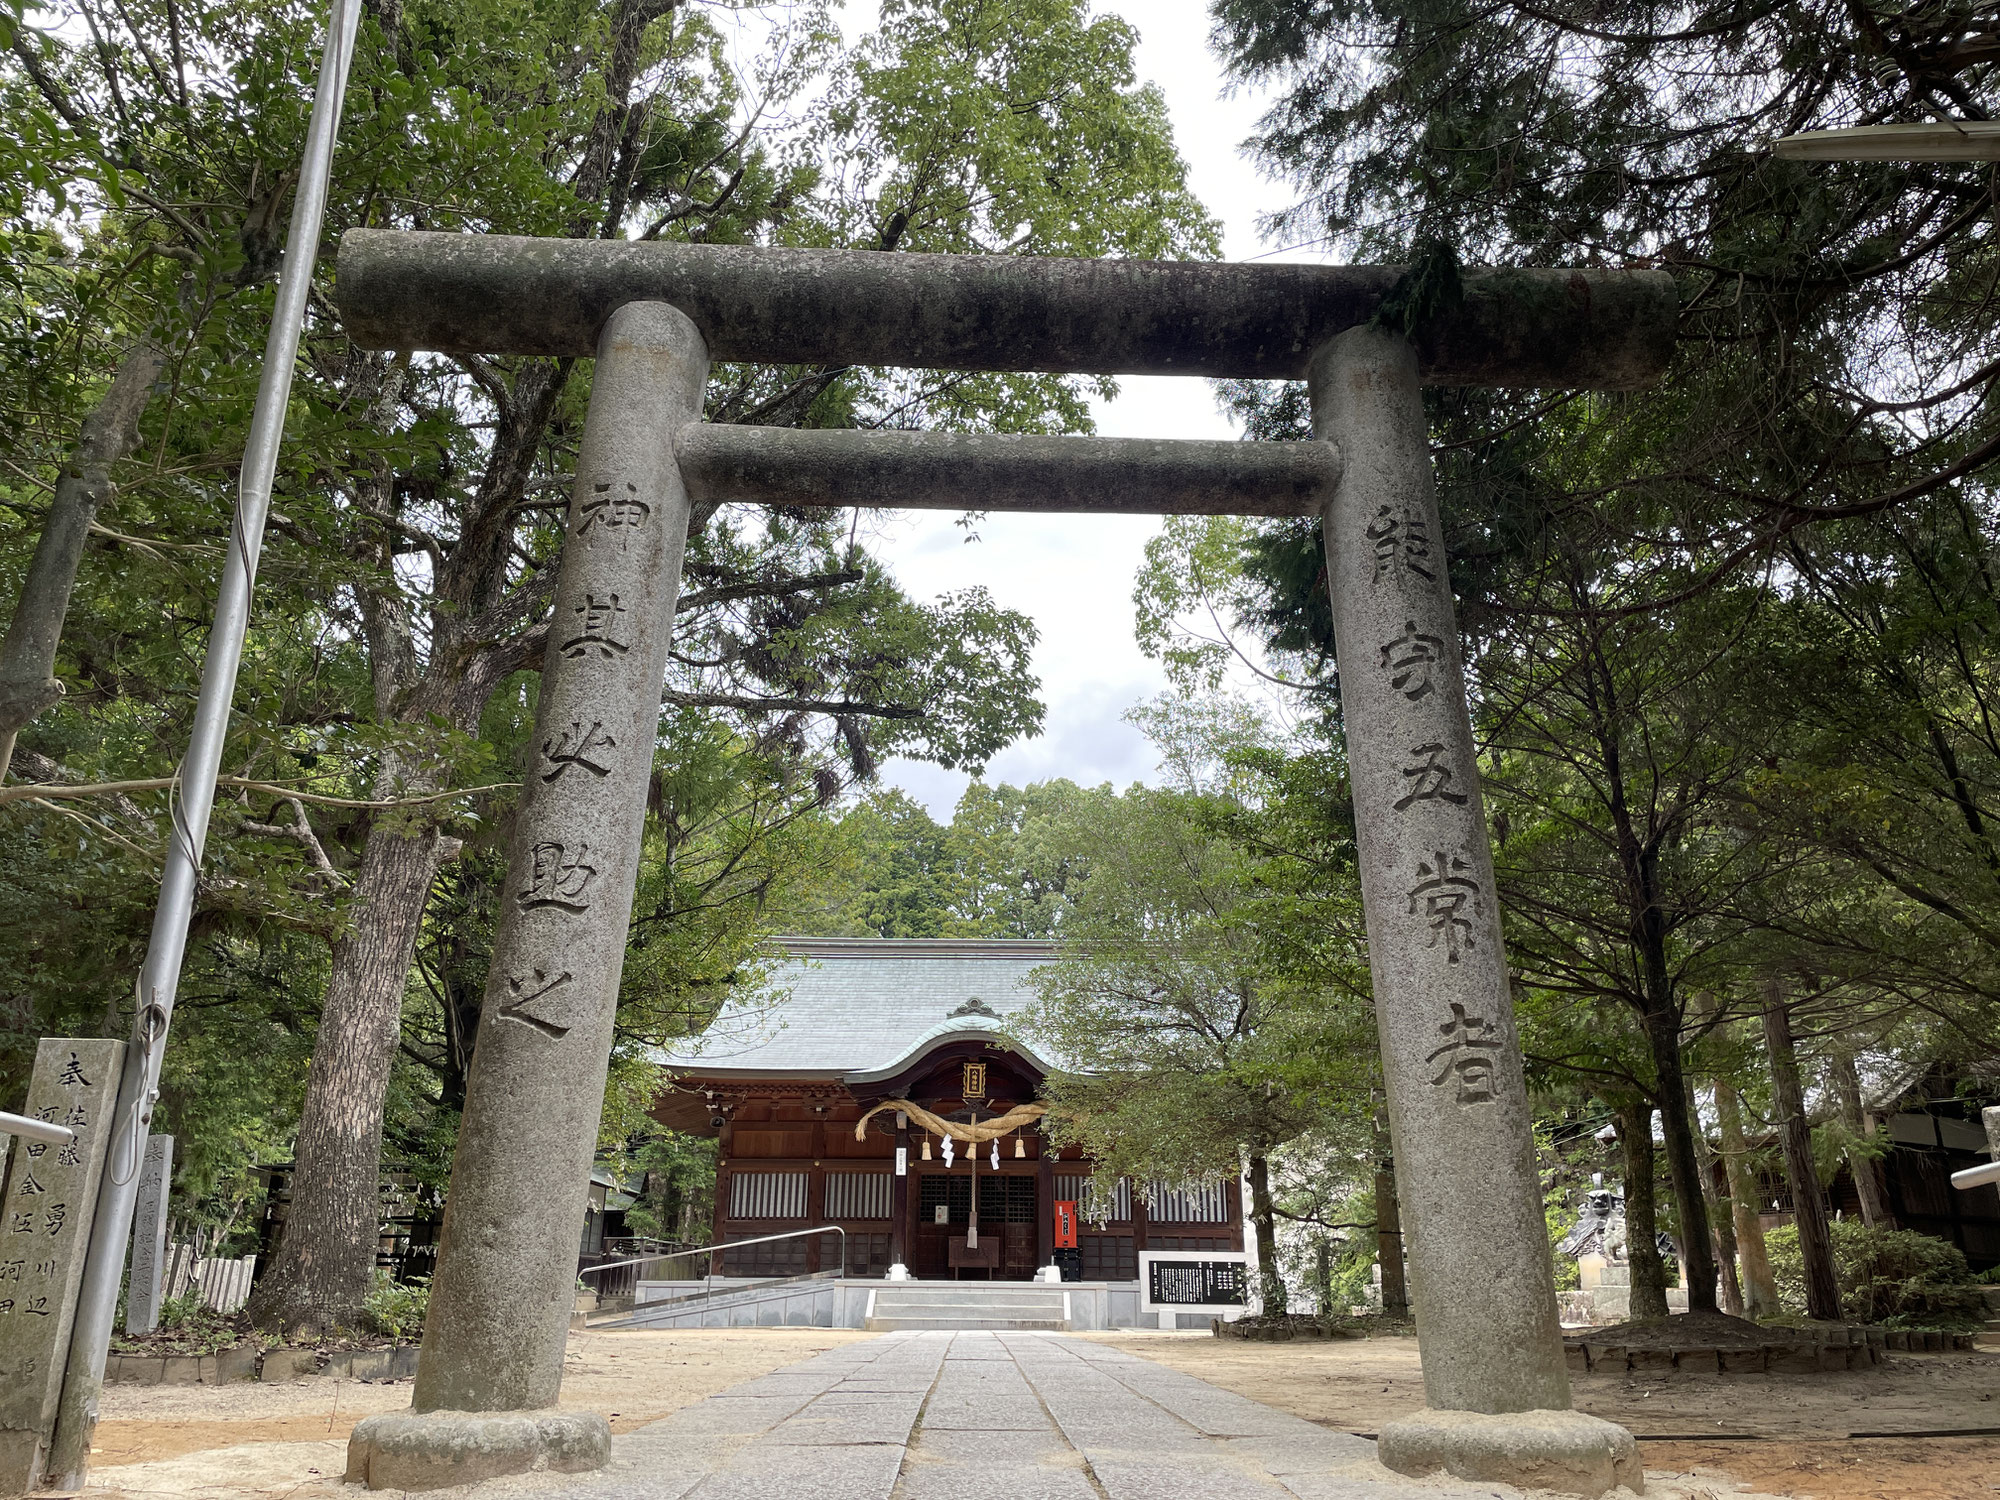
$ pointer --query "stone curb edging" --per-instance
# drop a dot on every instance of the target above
(246, 1362)
(1854, 1348)
(1266, 1333)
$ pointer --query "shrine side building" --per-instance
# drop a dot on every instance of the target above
(845, 1026)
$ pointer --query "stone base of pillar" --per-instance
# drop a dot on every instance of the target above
(1562, 1451)
(430, 1450)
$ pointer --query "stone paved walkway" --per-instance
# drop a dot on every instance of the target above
(996, 1416)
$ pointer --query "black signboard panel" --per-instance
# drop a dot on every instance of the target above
(1195, 1283)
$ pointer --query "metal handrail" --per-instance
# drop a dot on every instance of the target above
(35, 1130)
(710, 1292)
(767, 1239)
(617, 1301)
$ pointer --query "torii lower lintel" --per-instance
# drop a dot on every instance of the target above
(981, 471)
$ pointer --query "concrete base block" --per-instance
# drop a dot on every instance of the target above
(289, 1364)
(236, 1364)
(433, 1449)
(1563, 1451)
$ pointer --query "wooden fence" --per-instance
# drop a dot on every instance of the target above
(224, 1284)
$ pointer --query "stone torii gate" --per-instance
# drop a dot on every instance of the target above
(654, 316)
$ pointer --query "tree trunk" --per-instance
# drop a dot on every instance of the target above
(1760, 1290)
(1270, 1283)
(325, 1263)
(1866, 1167)
(1683, 1162)
(1323, 1275)
(1642, 1229)
(28, 656)
(1808, 1205)
(1719, 1220)
(1389, 1225)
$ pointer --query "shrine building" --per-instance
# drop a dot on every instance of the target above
(885, 1035)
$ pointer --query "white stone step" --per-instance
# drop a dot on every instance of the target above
(1011, 1298)
(968, 1306)
(965, 1325)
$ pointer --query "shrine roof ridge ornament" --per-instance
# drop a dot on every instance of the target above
(1589, 328)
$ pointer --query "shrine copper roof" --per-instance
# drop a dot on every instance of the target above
(856, 1008)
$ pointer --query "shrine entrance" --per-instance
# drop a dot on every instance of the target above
(1366, 340)
(940, 1248)
(979, 1210)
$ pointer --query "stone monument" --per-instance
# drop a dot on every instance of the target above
(46, 1202)
(654, 315)
(149, 1237)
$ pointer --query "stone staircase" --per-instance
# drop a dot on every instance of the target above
(967, 1306)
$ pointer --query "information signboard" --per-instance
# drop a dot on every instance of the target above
(1214, 1281)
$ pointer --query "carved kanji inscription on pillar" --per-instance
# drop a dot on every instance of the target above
(1467, 1055)
(526, 994)
(598, 630)
(614, 507)
(1410, 660)
(577, 745)
(1430, 778)
(558, 875)
(1447, 897)
(1401, 541)
(49, 1193)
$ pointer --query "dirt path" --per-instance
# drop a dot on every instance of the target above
(251, 1439)
(1800, 1424)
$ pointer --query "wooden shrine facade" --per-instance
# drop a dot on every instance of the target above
(846, 1026)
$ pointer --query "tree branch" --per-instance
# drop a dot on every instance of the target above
(34, 791)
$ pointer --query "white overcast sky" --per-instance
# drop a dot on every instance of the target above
(1073, 574)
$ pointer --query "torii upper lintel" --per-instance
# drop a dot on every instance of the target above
(502, 294)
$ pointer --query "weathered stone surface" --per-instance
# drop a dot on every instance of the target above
(1563, 1451)
(1650, 1361)
(239, 1363)
(1791, 1359)
(1483, 1277)
(133, 1369)
(1741, 1361)
(498, 294)
(1576, 1358)
(1697, 1362)
(289, 1364)
(48, 1195)
(500, 1305)
(149, 1237)
(841, 467)
(434, 1449)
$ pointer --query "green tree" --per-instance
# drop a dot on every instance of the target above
(409, 571)
(1206, 1009)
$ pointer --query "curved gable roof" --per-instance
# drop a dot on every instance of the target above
(865, 1006)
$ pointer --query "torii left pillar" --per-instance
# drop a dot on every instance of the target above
(491, 1364)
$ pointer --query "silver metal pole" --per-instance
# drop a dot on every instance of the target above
(35, 1130)
(159, 978)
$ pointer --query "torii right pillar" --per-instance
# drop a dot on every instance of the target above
(1495, 1383)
